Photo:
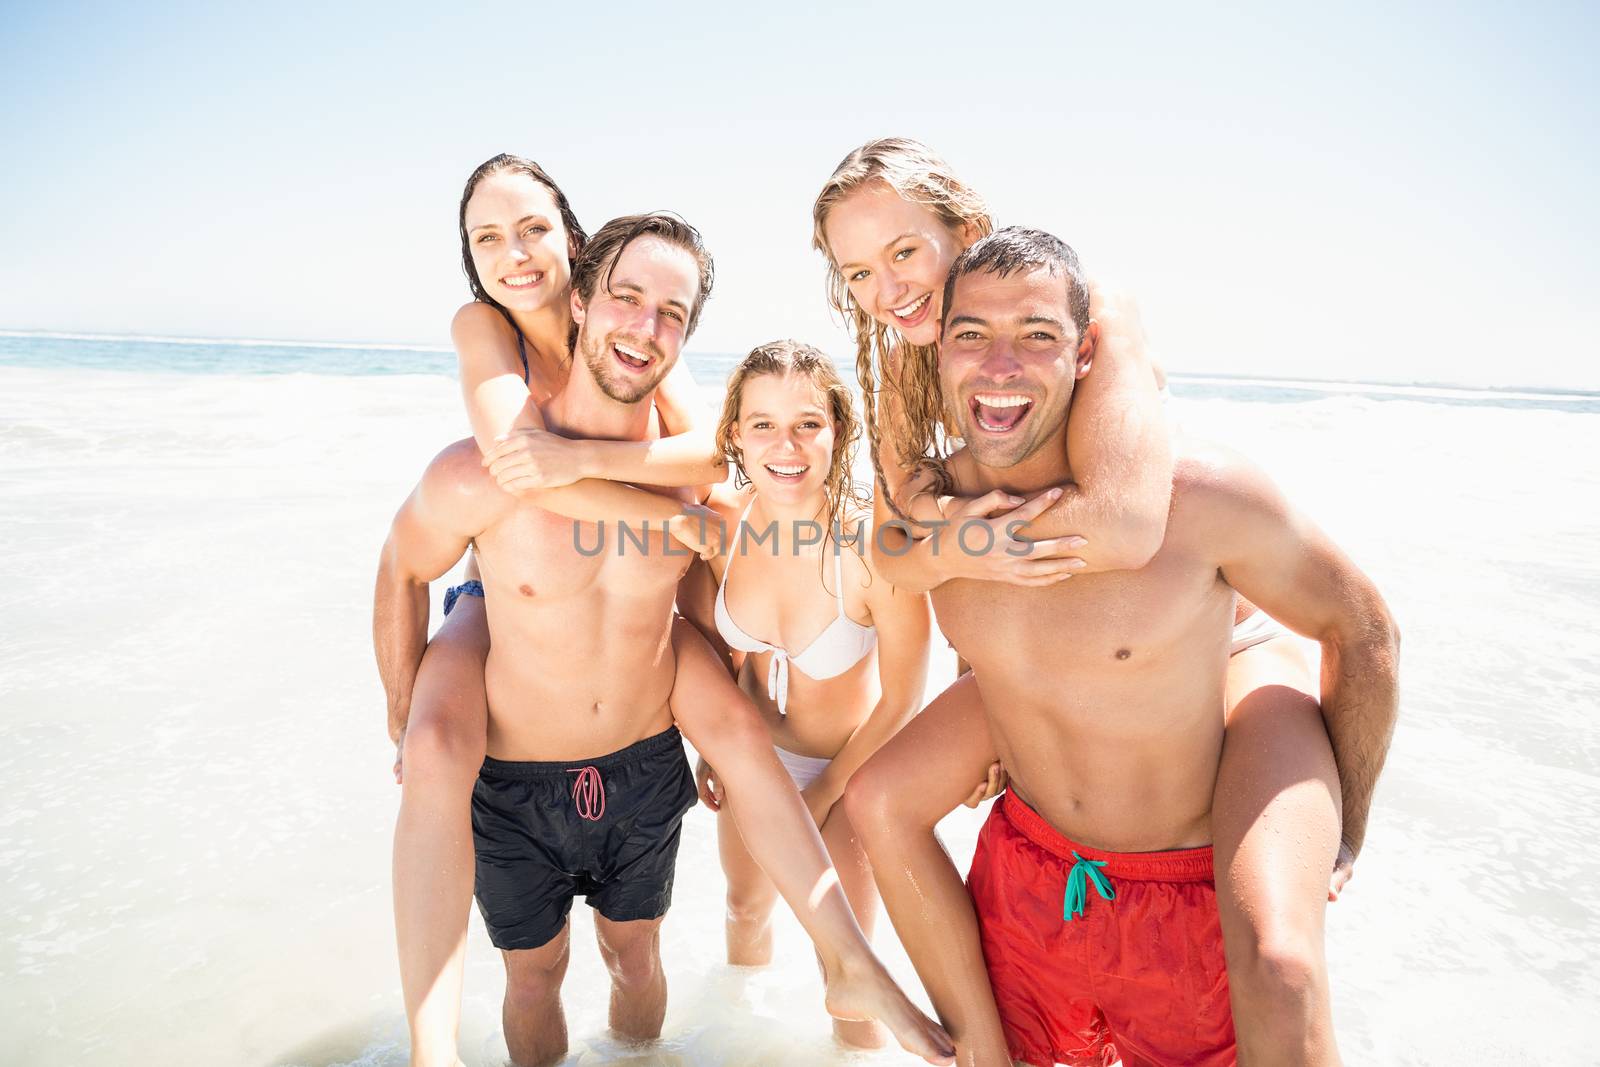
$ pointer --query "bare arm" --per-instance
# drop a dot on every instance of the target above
(451, 504)
(510, 431)
(1119, 446)
(1280, 560)
(980, 539)
(904, 623)
(506, 422)
(894, 802)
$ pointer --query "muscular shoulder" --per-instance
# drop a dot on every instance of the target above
(1220, 494)
(458, 493)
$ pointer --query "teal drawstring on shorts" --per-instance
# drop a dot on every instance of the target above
(1077, 896)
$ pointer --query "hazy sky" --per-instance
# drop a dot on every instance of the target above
(1383, 193)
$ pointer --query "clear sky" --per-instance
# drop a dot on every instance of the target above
(1384, 192)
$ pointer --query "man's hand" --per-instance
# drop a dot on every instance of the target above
(982, 540)
(697, 528)
(399, 753)
(990, 787)
(708, 785)
(525, 460)
(1343, 868)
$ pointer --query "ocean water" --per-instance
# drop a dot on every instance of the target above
(196, 819)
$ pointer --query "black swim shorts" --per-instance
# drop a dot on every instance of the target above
(605, 828)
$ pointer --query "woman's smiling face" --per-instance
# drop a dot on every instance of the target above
(519, 246)
(785, 436)
(894, 255)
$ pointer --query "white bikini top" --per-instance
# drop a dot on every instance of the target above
(841, 645)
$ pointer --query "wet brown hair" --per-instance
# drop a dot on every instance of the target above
(909, 372)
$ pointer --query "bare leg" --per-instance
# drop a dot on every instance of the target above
(894, 802)
(723, 726)
(632, 954)
(855, 874)
(536, 1027)
(433, 866)
(1275, 827)
(751, 896)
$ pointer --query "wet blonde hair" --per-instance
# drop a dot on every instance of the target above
(910, 372)
(784, 358)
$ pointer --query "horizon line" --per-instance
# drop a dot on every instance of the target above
(1190, 376)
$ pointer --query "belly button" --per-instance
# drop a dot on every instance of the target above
(525, 590)
(1123, 653)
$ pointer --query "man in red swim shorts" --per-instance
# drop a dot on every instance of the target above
(1091, 932)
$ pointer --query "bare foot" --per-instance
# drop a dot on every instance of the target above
(853, 1034)
(866, 991)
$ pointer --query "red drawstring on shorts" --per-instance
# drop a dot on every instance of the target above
(588, 793)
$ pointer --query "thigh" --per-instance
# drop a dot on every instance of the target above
(925, 771)
(541, 967)
(1275, 813)
(633, 871)
(449, 706)
(522, 835)
(629, 944)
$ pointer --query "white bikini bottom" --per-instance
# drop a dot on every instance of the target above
(803, 769)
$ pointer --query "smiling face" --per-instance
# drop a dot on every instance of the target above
(894, 255)
(631, 331)
(519, 247)
(1008, 362)
(785, 437)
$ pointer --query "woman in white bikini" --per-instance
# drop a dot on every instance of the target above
(889, 221)
(834, 656)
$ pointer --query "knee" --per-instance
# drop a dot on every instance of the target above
(869, 802)
(1282, 972)
(634, 960)
(442, 749)
(749, 907)
(531, 986)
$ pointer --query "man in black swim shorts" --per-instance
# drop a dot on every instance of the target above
(606, 829)
(588, 679)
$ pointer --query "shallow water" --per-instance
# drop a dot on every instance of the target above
(196, 824)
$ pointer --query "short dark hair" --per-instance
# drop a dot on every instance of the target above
(592, 271)
(1016, 248)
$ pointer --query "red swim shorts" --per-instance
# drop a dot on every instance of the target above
(1139, 976)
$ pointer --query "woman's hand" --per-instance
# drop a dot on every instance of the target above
(707, 785)
(697, 528)
(820, 800)
(981, 541)
(1343, 868)
(990, 787)
(523, 460)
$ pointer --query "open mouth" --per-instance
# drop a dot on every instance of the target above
(915, 312)
(787, 472)
(999, 412)
(523, 281)
(630, 357)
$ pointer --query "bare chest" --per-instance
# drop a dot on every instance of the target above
(1118, 620)
(538, 555)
